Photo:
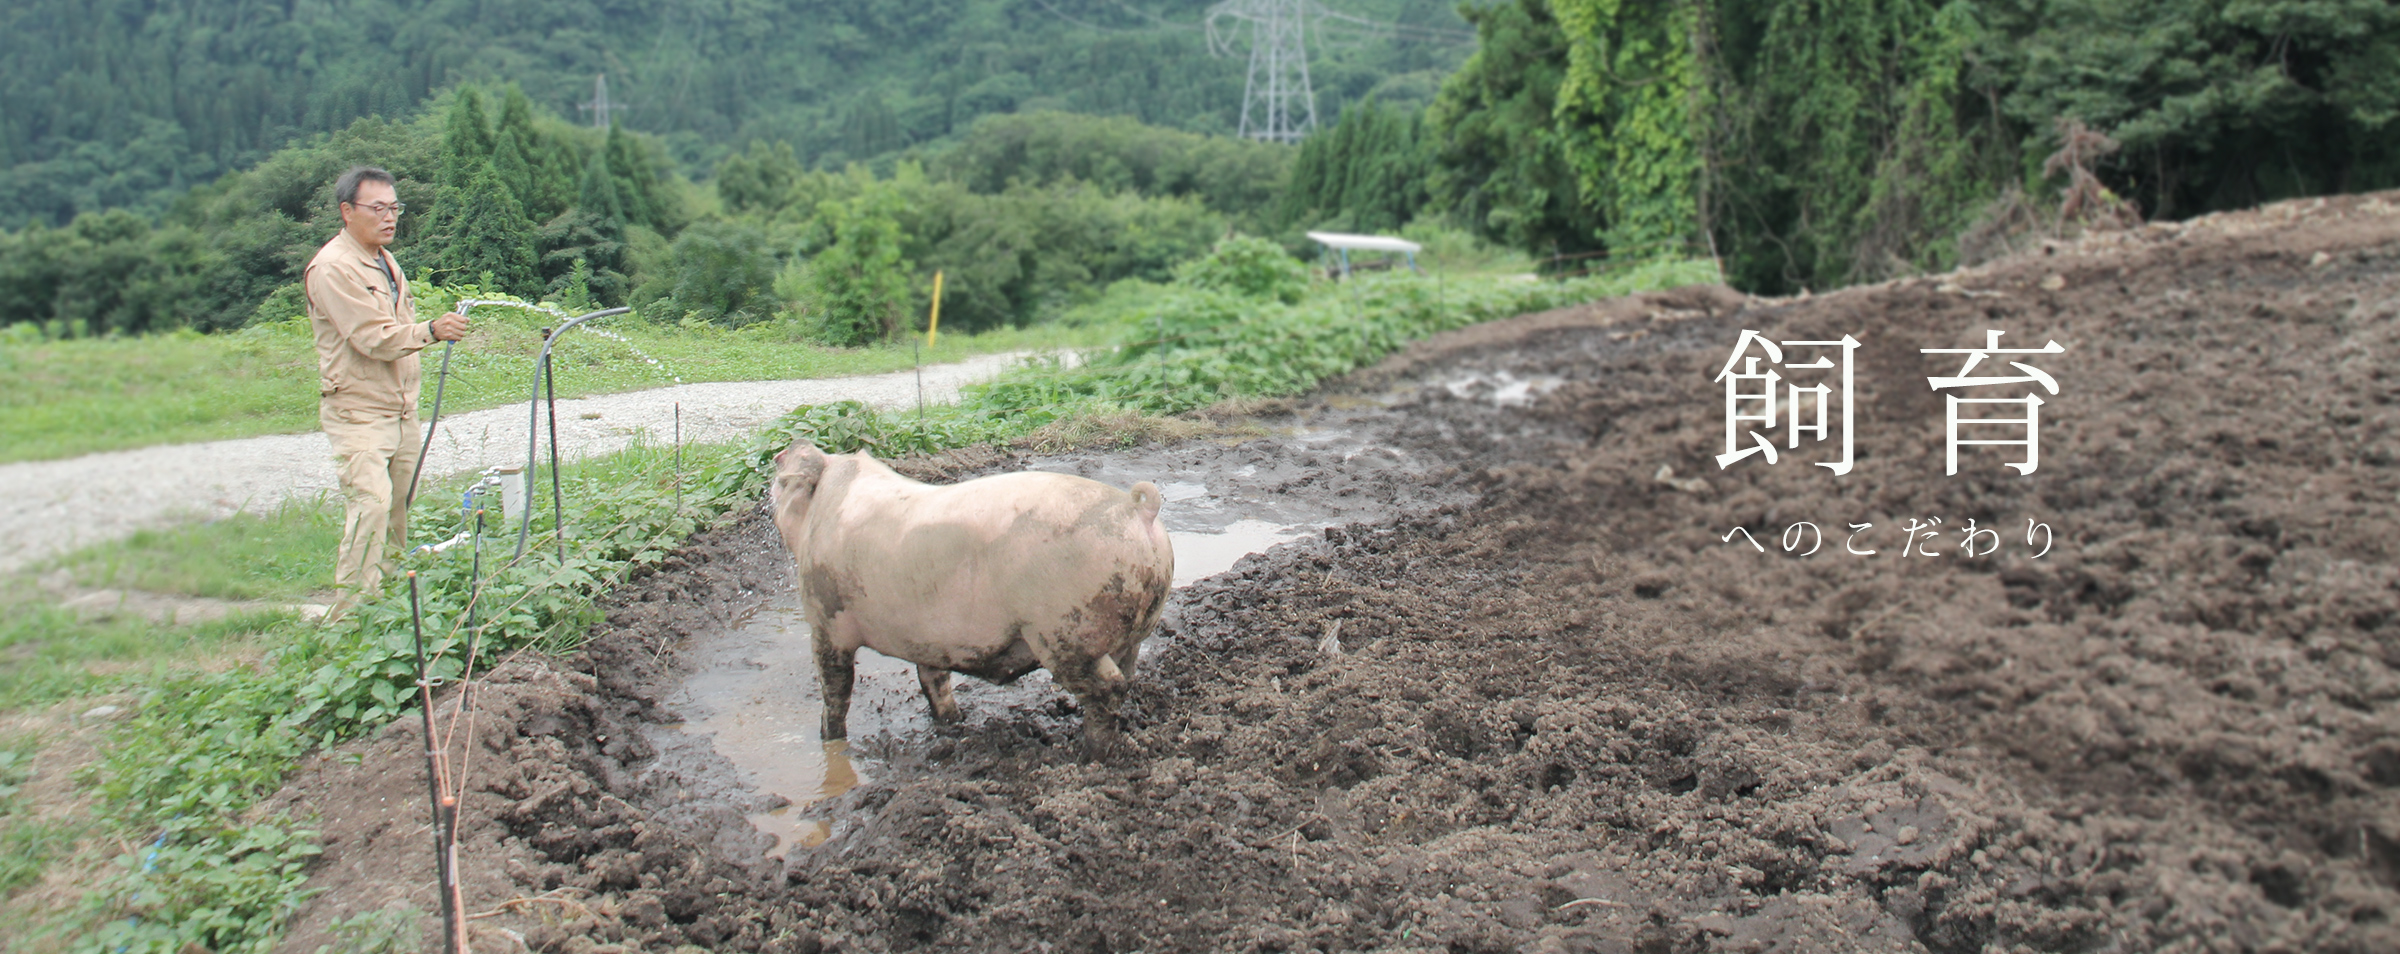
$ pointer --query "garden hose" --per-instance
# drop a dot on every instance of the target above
(533, 435)
(439, 384)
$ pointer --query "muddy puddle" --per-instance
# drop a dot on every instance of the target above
(751, 693)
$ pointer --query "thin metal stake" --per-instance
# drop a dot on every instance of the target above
(679, 457)
(445, 808)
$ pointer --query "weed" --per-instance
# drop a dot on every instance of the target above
(382, 931)
(16, 765)
(27, 846)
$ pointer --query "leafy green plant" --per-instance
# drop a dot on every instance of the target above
(859, 283)
(201, 749)
(228, 889)
(720, 274)
(1249, 267)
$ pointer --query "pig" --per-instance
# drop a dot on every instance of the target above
(993, 577)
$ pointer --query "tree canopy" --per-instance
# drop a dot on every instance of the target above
(127, 103)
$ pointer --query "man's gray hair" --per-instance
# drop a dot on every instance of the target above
(345, 189)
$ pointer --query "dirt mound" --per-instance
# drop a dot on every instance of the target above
(1579, 714)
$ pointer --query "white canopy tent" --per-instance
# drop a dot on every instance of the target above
(1343, 242)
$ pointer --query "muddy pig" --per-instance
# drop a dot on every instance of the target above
(992, 577)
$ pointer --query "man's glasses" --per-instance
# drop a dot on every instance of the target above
(380, 209)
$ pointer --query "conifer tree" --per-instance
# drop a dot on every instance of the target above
(583, 248)
(486, 232)
(515, 173)
(516, 113)
(598, 195)
(552, 166)
(561, 173)
(636, 181)
(466, 140)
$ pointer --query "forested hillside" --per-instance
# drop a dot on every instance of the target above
(1035, 153)
(1812, 144)
(124, 103)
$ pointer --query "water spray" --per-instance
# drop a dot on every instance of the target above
(442, 379)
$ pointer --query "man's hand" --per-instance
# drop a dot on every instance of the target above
(450, 327)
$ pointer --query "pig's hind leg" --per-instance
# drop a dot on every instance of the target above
(936, 683)
(837, 669)
(1099, 687)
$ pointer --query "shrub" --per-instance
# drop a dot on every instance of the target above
(1249, 267)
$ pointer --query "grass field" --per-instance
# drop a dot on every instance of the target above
(65, 398)
(58, 824)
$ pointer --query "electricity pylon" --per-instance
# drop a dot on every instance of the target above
(1277, 103)
(600, 107)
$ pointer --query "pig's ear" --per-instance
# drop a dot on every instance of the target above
(807, 452)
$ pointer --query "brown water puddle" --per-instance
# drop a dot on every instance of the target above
(756, 697)
(753, 696)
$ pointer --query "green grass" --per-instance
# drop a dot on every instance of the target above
(210, 734)
(64, 398)
(284, 555)
(26, 844)
(48, 653)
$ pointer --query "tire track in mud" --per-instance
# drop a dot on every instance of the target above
(1542, 706)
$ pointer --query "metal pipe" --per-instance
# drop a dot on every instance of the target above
(533, 432)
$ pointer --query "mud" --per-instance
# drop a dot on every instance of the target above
(750, 693)
(1527, 696)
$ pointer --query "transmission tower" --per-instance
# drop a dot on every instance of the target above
(600, 107)
(1277, 103)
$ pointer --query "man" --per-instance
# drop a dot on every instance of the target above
(368, 376)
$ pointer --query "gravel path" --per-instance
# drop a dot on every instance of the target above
(51, 507)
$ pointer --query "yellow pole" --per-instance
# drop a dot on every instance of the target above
(934, 323)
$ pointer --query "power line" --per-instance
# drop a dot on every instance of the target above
(1278, 104)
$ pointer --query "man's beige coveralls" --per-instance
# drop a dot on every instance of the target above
(367, 384)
